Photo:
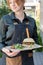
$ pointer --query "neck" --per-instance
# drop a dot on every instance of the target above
(20, 14)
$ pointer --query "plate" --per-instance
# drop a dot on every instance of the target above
(26, 47)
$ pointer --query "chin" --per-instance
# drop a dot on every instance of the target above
(15, 10)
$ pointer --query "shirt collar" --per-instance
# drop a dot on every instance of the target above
(12, 15)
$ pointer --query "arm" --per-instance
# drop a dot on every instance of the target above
(2, 40)
(35, 35)
(2, 34)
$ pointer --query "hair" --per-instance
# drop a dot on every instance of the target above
(17, 1)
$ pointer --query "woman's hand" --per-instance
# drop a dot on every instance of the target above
(11, 54)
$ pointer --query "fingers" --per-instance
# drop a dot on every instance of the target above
(11, 54)
(5, 50)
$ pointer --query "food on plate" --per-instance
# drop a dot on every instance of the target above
(28, 41)
(17, 46)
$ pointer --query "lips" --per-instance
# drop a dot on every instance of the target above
(14, 7)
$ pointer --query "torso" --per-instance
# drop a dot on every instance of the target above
(18, 29)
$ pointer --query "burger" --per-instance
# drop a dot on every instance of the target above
(28, 41)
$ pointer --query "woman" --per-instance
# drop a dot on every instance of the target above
(13, 29)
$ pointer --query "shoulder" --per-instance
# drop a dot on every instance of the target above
(31, 19)
(7, 16)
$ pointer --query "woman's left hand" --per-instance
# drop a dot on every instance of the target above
(11, 54)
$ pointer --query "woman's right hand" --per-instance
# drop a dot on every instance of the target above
(11, 54)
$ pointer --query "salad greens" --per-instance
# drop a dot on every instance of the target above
(18, 46)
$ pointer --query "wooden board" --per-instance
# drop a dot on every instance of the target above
(26, 47)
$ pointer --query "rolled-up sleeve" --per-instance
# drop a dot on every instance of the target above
(2, 33)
